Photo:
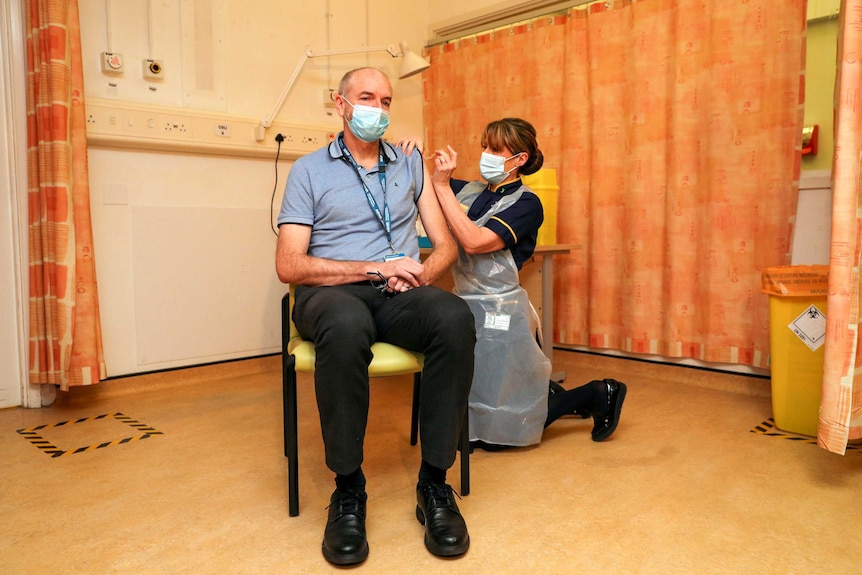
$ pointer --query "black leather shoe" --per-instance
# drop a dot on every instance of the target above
(605, 422)
(344, 540)
(445, 530)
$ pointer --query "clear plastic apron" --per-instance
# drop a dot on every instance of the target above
(509, 397)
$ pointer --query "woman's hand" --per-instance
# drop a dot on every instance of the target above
(407, 145)
(445, 163)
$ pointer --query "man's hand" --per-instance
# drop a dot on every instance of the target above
(403, 274)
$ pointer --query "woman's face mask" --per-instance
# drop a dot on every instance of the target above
(493, 168)
(368, 123)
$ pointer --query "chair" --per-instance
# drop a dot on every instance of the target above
(299, 355)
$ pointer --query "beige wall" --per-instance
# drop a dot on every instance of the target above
(811, 242)
(13, 211)
(819, 89)
(241, 66)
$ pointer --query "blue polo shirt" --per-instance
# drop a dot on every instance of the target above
(325, 191)
(518, 225)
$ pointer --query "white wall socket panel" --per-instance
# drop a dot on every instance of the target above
(112, 63)
(153, 69)
(116, 124)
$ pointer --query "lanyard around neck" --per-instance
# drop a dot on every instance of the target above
(384, 218)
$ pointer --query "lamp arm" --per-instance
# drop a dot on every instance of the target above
(266, 121)
(389, 48)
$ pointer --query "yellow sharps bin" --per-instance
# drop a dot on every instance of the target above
(797, 332)
(544, 184)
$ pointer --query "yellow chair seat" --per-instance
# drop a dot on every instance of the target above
(388, 359)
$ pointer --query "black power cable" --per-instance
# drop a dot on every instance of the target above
(278, 138)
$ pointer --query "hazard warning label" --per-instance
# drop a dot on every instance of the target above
(810, 327)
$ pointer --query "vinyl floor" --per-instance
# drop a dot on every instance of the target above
(183, 472)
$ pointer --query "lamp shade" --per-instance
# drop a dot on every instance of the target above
(411, 62)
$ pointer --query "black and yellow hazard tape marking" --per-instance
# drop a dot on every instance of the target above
(768, 428)
(33, 434)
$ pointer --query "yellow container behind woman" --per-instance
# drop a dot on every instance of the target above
(544, 184)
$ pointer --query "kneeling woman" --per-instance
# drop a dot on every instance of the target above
(511, 401)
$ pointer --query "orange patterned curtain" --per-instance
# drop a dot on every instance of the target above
(841, 401)
(65, 332)
(675, 129)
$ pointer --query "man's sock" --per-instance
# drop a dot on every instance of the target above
(355, 480)
(428, 472)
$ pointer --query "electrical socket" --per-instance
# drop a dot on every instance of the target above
(153, 69)
(328, 98)
(175, 126)
(112, 63)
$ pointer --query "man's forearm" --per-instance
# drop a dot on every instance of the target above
(307, 270)
(439, 261)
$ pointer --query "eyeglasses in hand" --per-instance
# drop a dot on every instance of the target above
(380, 283)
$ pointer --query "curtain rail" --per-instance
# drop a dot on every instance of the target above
(506, 13)
(513, 11)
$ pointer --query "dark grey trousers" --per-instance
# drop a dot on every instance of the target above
(343, 322)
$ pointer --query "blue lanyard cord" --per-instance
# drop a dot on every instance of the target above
(384, 218)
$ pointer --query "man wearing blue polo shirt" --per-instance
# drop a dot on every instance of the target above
(347, 239)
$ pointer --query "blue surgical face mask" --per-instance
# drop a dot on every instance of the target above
(493, 168)
(368, 123)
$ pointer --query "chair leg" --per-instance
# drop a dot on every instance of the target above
(290, 431)
(464, 442)
(465, 454)
(414, 420)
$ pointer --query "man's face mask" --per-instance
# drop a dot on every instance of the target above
(368, 123)
(493, 168)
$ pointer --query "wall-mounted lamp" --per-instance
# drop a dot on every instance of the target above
(411, 63)
(809, 140)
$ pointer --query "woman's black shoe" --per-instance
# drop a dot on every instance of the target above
(605, 423)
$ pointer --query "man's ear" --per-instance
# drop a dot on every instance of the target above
(340, 106)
